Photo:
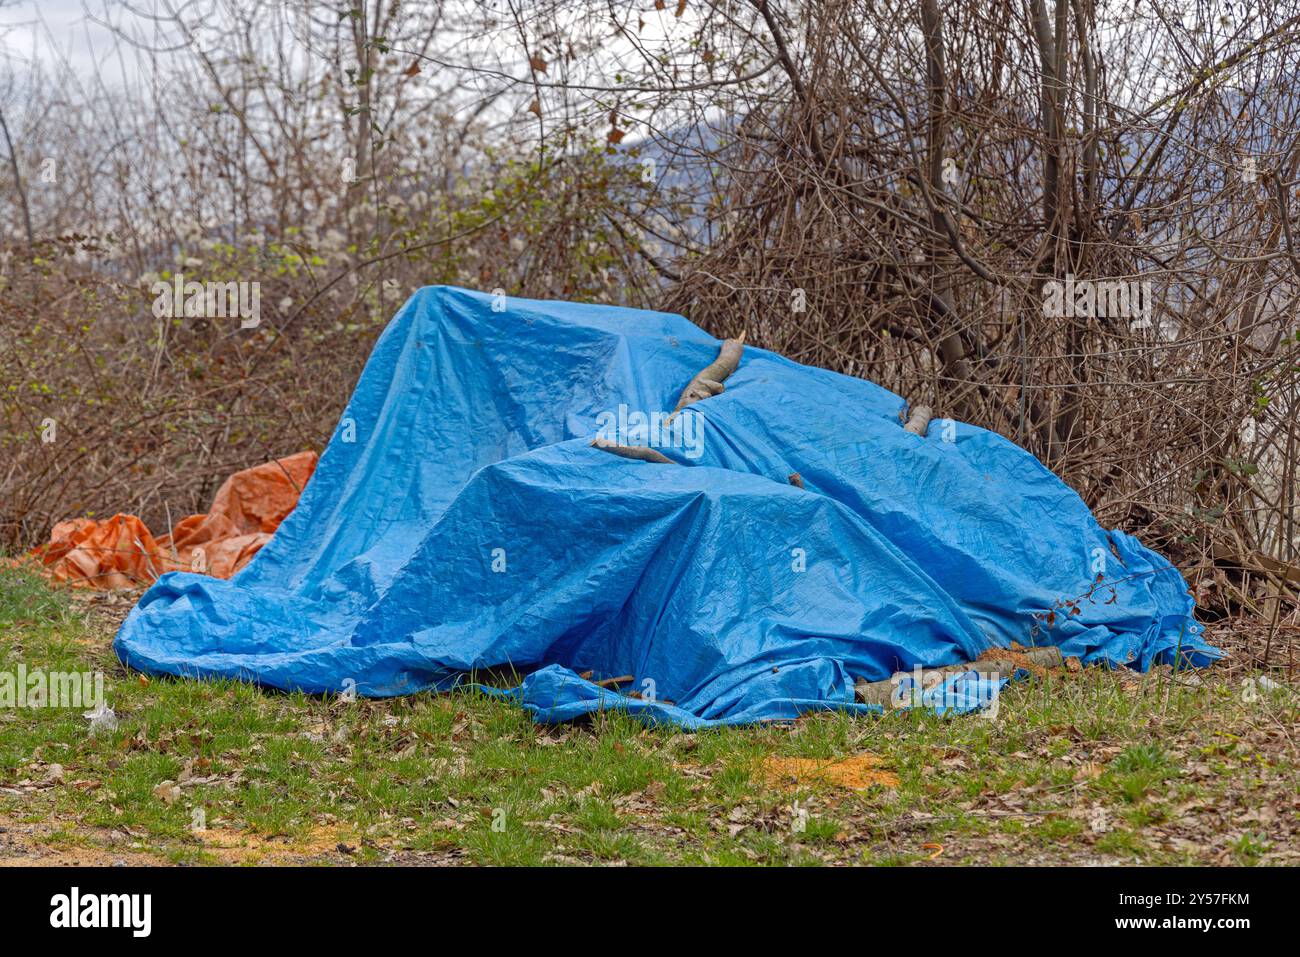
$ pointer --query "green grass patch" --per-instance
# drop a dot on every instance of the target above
(1076, 768)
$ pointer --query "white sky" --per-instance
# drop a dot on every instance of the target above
(29, 27)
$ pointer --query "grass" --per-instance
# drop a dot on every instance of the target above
(1087, 767)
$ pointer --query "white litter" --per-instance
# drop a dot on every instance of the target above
(101, 719)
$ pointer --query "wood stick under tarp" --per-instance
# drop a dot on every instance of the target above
(639, 452)
(708, 381)
(919, 420)
(1000, 661)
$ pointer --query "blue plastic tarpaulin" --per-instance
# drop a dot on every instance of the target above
(460, 520)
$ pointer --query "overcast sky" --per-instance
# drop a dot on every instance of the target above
(29, 27)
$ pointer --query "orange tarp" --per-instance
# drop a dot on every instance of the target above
(120, 551)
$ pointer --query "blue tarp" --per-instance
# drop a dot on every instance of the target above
(460, 520)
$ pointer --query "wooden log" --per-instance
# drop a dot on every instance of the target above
(999, 662)
(919, 420)
(709, 380)
(639, 452)
(1256, 562)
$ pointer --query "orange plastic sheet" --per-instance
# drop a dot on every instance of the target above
(120, 552)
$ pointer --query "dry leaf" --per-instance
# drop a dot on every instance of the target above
(167, 792)
(1088, 772)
